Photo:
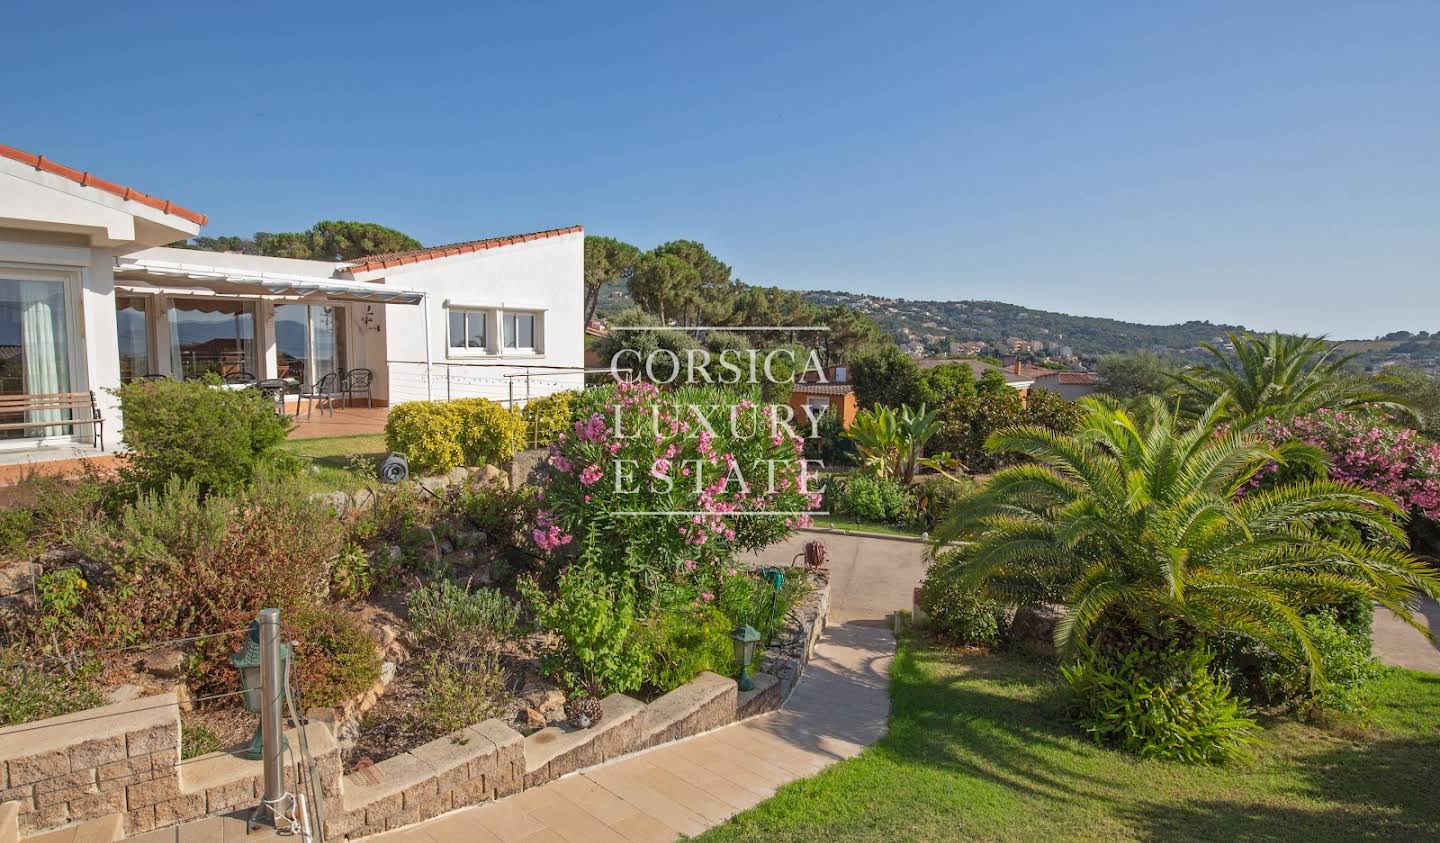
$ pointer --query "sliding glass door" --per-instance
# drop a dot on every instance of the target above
(212, 336)
(133, 332)
(309, 341)
(34, 349)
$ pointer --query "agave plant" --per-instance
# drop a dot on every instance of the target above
(1278, 375)
(1138, 525)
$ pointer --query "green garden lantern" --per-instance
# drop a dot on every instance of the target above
(745, 639)
(247, 664)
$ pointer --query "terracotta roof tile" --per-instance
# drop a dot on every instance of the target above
(85, 179)
(389, 259)
(823, 388)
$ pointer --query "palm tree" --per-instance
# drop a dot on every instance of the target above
(1279, 375)
(1142, 528)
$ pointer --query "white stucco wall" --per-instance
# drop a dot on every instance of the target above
(543, 276)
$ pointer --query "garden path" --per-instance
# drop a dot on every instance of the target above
(1400, 644)
(840, 706)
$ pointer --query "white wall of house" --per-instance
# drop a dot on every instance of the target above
(543, 278)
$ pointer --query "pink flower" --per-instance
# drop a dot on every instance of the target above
(591, 475)
(706, 596)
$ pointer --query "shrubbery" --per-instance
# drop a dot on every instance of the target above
(335, 659)
(192, 429)
(869, 497)
(447, 616)
(34, 691)
(547, 417)
(957, 612)
(1159, 702)
(436, 436)
(604, 650)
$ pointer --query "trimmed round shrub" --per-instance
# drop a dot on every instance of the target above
(1346, 666)
(436, 436)
(872, 498)
(427, 433)
(1159, 702)
(956, 612)
(547, 417)
(334, 658)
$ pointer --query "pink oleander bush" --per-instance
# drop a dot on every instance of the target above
(1368, 452)
(634, 450)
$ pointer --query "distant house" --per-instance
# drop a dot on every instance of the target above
(833, 394)
(1068, 385)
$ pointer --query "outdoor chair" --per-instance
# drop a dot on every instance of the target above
(274, 389)
(239, 378)
(322, 393)
(357, 380)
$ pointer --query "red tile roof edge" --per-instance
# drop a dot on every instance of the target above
(385, 261)
(85, 179)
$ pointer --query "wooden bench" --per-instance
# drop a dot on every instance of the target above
(81, 406)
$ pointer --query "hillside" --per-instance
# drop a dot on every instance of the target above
(929, 326)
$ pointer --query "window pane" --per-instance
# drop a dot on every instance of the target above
(476, 322)
(291, 351)
(526, 322)
(457, 329)
(212, 336)
(134, 336)
(327, 327)
(509, 330)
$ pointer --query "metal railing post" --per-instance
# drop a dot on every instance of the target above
(272, 727)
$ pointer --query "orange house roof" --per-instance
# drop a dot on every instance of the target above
(85, 179)
(389, 259)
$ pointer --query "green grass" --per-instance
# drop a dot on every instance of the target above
(846, 522)
(980, 748)
(337, 463)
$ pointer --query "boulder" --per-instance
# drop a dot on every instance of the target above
(17, 583)
(164, 663)
(531, 718)
(486, 475)
(1033, 629)
(544, 698)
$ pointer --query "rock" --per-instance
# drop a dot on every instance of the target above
(395, 552)
(532, 719)
(17, 583)
(164, 664)
(486, 475)
(339, 501)
(469, 539)
(185, 696)
(124, 693)
(387, 673)
(460, 558)
(488, 574)
(457, 475)
(528, 467)
(447, 546)
(544, 698)
(1033, 629)
(434, 484)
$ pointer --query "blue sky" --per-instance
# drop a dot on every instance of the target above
(1276, 164)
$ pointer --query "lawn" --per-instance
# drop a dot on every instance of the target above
(846, 522)
(337, 462)
(980, 749)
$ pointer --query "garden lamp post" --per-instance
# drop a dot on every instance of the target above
(745, 639)
(249, 664)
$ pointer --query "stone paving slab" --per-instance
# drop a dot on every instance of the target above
(840, 707)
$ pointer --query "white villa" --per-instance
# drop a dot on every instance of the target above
(90, 297)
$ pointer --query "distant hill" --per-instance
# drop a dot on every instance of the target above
(1007, 328)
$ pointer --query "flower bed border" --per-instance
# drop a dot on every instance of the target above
(88, 767)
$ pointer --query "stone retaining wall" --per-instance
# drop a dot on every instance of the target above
(123, 759)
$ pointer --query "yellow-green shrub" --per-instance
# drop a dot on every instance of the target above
(489, 433)
(437, 436)
(427, 433)
(548, 416)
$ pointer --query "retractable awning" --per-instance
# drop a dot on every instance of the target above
(240, 282)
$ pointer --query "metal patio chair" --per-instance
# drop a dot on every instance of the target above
(275, 389)
(322, 393)
(355, 381)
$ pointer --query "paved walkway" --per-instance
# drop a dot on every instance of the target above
(840, 706)
(1398, 643)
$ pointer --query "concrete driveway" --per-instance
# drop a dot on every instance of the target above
(1398, 643)
(869, 577)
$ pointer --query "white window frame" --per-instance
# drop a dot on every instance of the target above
(537, 328)
(486, 314)
(71, 280)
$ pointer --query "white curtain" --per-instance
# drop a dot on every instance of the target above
(42, 339)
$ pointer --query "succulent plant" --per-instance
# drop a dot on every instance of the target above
(584, 712)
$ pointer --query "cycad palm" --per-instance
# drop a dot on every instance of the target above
(1277, 374)
(1135, 525)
